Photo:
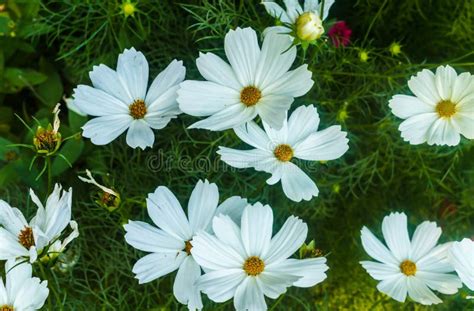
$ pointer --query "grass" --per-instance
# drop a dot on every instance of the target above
(379, 174)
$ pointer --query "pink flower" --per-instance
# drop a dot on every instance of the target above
(340, 34)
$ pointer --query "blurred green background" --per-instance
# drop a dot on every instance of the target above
(48, 47)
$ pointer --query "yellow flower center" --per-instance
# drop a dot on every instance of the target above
(26, 237)
(138, 109)
(187, 247)
(250, 96)
(283, 152)
(254, 266)
(128, 8)
(6, 308)
(446, 108)
(408, 267)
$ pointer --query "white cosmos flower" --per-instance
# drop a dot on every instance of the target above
(41, 236)
(21, 291)
(304, 22)
(441, 110)
(298, 138)
(461, 255)
(120, 100)
(170, 243)
(257, 82)
(415, 267)
(247, 263)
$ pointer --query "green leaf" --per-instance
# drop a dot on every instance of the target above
(15, 79)
(7, 153)
(76, 121)
(71, 150)
(51, 91)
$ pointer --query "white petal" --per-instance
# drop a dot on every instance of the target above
(227, 118)
(294, 83)
(36, 290)
(287, 241)
(10, 248)
(424, 239)
(157, 122)
(443, 132)
(276, 29)
(184, 288)
(327, 6)
(242, 51)
(442, 282)
(273, 108)
(147, 238)
(461, 255)
(213, 254)
(232, 207)
(463, 87)
(165, 105)
(296, 184)
(221, 285)
(16, 274)
(58, 212)
(275, 60)
(423, 85)
(415, 129)
(276, 11)
(202, 205)
(273, 284)
(419, 292)
(171, 77)
(395, 287)
(204, 98)
(436, 260)
(166, 212)
(249, 296)
(103, 130)
(11, 218)
(404, 106)
(214, 69)
(132, 67)
(244, 158)
(256, 226)
(228, 232)
(380, 271)
(107, 80)
(96, 102)
(3, 293)
(376, 249)
(465, 123)
(253, 135)
(302, 122)
(156, 265)
(276, 136)
(140, 135)
(311, 5)
(445, 79)
(309, 271)
(293, 8)
(395, 233)
(328, 144)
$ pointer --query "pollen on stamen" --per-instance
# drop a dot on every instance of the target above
(187, 247)
(283, 152)
(446, 108)
(138, 109)
(250, 96)
(26, 237)
(254, 266)
(408, 268)
(6, 308)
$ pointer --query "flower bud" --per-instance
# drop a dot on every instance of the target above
(309, 27)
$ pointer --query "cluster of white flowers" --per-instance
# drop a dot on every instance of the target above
(23, 243)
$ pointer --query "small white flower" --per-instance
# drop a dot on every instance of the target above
(441, 110)
(247, 263)
(305, 23)
(461, 255)
(170, 243)
(20, 239)
(120, 100)
(21, 291)
(298, 138)
(257, 82)
(415, 267)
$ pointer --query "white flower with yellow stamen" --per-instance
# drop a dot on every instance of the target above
(170, 244)
(441, 110)
(120, 100)
(298, 138)
(246, 263)
(413, 267)
(257, 82)
(21, 291)
(306, 23)
(461, 255)
(22, 240)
